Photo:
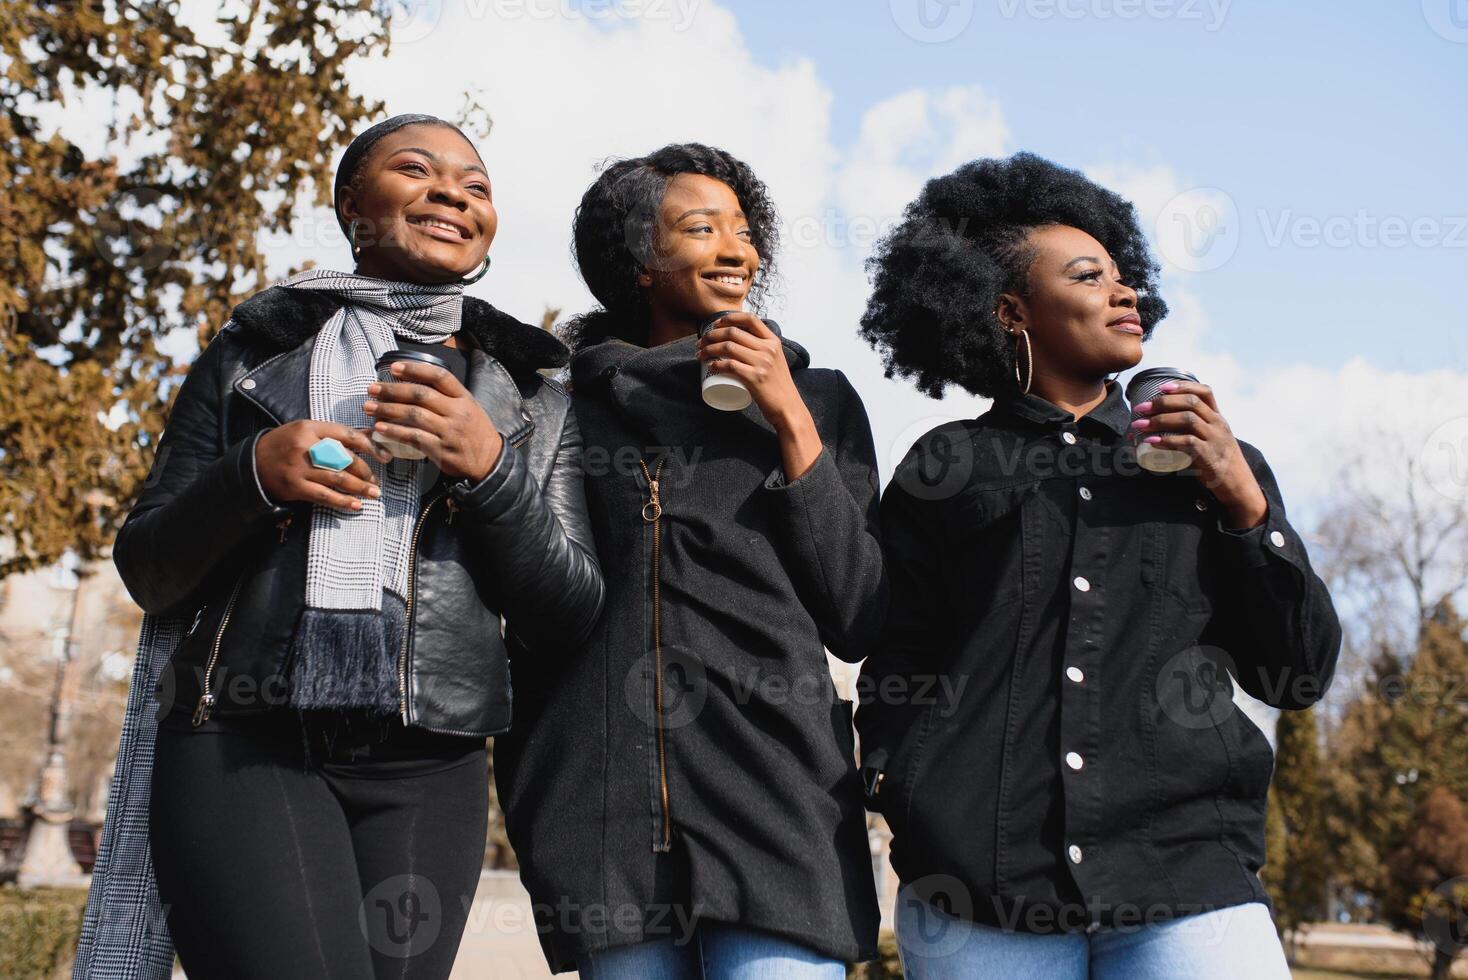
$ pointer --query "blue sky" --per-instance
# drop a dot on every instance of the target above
(1270, 120)
(1302, 109)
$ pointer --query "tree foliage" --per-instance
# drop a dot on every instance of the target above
(143, 156)
(1297, 872)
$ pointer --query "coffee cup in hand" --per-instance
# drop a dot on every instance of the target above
(401, 450)
(722, 391)
(1143, 387)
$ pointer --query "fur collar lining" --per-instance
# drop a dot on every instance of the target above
(281, 319)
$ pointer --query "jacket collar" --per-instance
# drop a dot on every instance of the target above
(280, 319)
(658, 387)
(602, 362)
(1113, 414)
(501, 349)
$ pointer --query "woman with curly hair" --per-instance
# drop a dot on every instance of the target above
(1047, 723)
(682, 794)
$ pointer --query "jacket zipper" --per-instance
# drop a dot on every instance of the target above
(206, 698)
(652, 513)
(205, 707)
(408, 604)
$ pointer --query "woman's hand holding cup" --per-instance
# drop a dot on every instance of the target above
(1184, 417)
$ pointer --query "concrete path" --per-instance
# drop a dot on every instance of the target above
(499, 938)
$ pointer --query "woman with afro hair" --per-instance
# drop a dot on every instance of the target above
(1047, 723)
(682, 793)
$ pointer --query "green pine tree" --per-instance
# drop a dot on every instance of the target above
(1296, 868)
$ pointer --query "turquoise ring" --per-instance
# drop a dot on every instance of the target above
(329, 454)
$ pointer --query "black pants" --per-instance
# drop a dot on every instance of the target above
(316, 846)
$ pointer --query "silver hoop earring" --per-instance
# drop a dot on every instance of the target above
(1024, 387)
(352, 236)
(478, 275)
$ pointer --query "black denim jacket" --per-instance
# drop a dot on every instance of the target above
(1048, 725)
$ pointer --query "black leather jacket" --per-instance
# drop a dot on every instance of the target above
(204, 542)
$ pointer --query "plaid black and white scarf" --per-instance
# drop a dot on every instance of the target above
(346, 645)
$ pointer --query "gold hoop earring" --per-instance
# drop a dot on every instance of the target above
(1024, 388)
(478, 275)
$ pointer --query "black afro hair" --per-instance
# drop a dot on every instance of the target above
(937, 276)
(615, 231)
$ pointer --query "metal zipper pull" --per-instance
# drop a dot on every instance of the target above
(201, 712)
(283, 525)
(453, 509)
(653, 509)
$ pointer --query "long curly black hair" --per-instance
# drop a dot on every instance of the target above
(615, 232)
(938, 275)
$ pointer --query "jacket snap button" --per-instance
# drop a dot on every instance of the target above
(1075, 854)
(1082, 584)
(248, 384)
(1085, 493)
(1074, 760)
(1276, 539)
(1201, 504)
(1069, 438)
(1075, 674)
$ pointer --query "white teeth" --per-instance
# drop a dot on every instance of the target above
(433, 223)
(729, 280)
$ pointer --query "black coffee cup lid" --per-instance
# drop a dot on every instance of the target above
(1158, 373)
(424, 357)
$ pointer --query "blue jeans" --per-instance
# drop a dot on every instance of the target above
(1222, 945)
(714, 952)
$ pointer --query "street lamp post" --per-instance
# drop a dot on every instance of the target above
(48, 859)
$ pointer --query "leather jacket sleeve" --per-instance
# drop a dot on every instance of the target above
(200, 501)
(538, 545)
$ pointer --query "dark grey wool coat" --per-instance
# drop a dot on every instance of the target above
(764, 812)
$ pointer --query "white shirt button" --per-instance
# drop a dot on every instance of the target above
(1075, 854)
(1276, 539)
(1069, 438)
(248, 384)
(1082, 584)
(1085, 493)
(1075, 674)
(1074, 760)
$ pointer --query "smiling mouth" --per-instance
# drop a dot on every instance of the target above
(439, 224)
(733, 280)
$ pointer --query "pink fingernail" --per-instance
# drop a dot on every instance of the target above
(1141, 423)
(1144, 407)
(1153, 439)
(1169, 386)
